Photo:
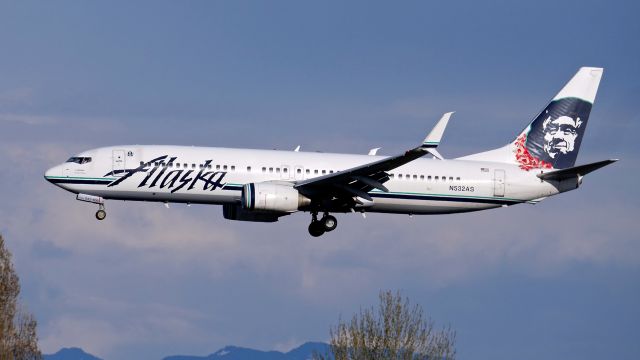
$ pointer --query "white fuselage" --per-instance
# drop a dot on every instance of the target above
(209, 175)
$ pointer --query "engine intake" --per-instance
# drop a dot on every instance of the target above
(276, 197)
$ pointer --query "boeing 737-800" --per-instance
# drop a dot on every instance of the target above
(264, 185)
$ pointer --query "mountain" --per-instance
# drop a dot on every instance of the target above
(303, 352)
(70, 354)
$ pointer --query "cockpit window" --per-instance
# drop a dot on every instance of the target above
(79, 160)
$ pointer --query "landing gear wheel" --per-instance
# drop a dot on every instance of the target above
(101, 214)
(316, 228)
(329, 222)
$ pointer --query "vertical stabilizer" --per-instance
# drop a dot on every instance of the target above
(552, 140)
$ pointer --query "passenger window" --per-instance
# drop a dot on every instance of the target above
(415, 177)
(458, 178)
(224, 167)
(390, 176)
(421, 177)
(299, 171)
(233, 168)
(444, 178)
(217, 167)
(209, 166)
(450, 178)
(399, 176)
(248, 168)
(278, 170)
(285, 170)
(315, 171)
(437, 178)
(193, 166)
(308, 171)
(429, 178)
(324, 172)
(264, 169)
(270, 169)
(141, 163)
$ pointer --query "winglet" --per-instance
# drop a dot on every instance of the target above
(373, 151)
(432, 140)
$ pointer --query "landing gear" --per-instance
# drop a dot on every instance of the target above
(319, 227)
(101, 214)
(329, 222)
(316, 228)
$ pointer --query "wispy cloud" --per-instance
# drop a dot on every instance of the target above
(31, 120)
(17, 96)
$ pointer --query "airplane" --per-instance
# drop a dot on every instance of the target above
(265, 185)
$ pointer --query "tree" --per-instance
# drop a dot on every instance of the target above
(395, 331)
(18, 337)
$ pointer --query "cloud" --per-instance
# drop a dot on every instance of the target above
(31, 120)
(17, 96)
(83, 323)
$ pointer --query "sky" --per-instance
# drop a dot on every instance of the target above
(555, 280)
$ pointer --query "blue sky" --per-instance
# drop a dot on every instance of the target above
(556, 280)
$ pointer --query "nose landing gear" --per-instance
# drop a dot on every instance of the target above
(101, 214)
(325, 224)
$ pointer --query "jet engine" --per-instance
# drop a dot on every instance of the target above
(272, 196)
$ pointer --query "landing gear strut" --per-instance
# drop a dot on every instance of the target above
(319, 227)
(101, 214)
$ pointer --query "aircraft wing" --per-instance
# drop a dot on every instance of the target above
(359, 180)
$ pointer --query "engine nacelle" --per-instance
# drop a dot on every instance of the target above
(270, 196)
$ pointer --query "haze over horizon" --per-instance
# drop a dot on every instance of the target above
(556, 280)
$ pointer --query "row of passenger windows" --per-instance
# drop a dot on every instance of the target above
(423, 177)
(192, 166)
(285, 170)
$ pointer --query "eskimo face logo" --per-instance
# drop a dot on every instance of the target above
(553, 138)
(560, 135)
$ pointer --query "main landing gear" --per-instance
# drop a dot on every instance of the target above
(101, 214)
(325, 224)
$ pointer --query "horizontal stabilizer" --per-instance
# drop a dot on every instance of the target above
(575, 171)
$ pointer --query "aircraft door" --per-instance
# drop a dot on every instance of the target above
(119, 162)
(498, 183)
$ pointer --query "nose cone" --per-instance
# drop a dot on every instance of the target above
(52, 174)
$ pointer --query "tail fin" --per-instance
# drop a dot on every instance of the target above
(552, 140)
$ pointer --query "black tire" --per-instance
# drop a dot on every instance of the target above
(329, 223)
(101, 214)
(316, 228)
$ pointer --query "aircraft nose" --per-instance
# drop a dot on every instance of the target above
(52, 173)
